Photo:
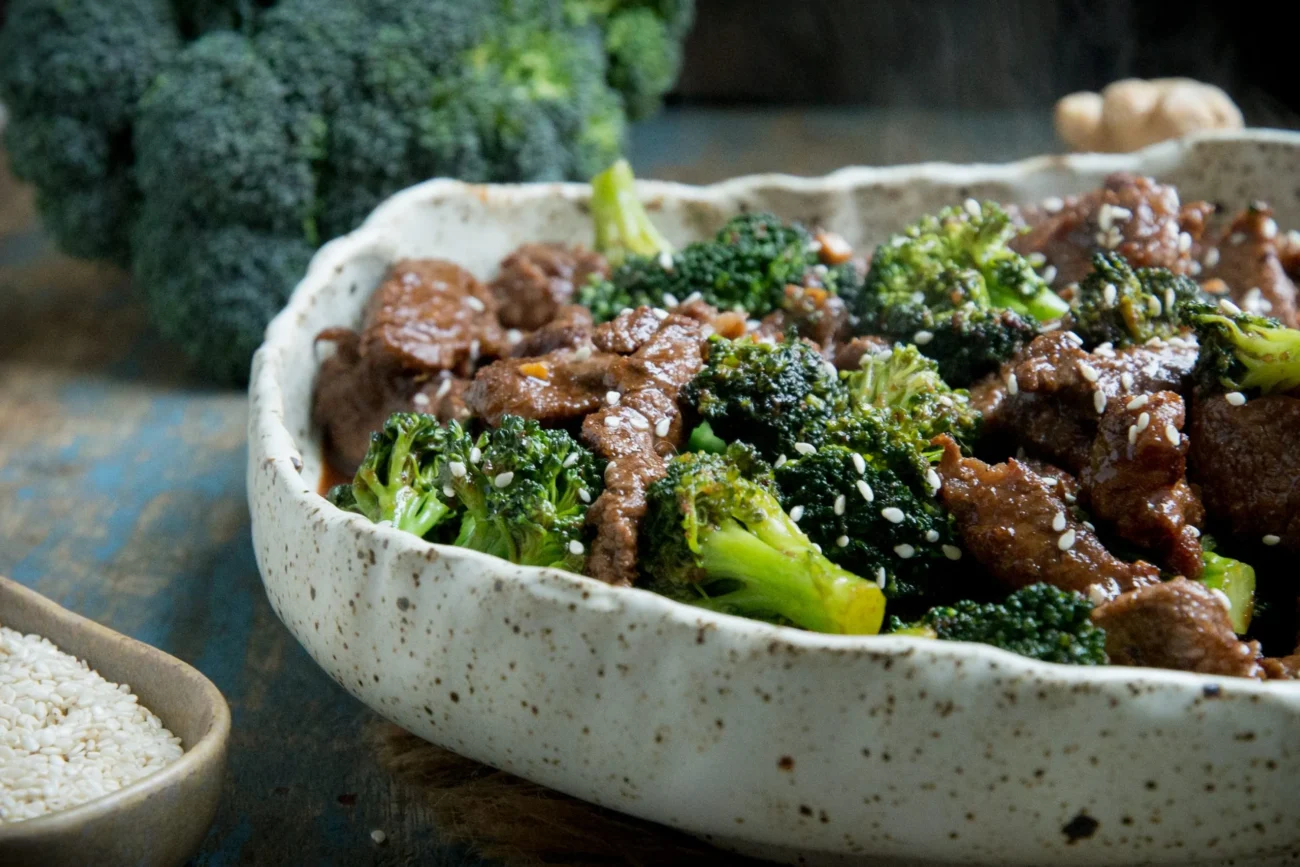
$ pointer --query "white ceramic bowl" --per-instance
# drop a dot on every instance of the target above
(777, 742)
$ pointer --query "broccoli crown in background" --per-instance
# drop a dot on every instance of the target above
(518, 491)
(1119, 305)
(1039, 621)
(950, 284)
(746, 266)
(772, 396)
(906, 387)
(1244, 352)
(717, 537)
(155, 131)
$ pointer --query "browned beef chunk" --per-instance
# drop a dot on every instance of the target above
(430, 315)
(1246, 258)
(556, 389)
(1180, 625)
(571, 328)
(848, 356)
(1282, 668)
(1246, 460)
(814, 314)
(1136, 480)
(1017, 524)
(635, 435)
(625, 333)
(536, 280)
(1136, 216)
(729, 324)
(1046, 398)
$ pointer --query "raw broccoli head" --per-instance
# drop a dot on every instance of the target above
(1039, 621)
(1122, 306)
(771, 396)
(950, 284)
(519, 492)
(716, 537)
(872, 514)
(1244, 352)
(906, 387)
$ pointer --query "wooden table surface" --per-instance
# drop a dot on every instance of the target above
(122, 486)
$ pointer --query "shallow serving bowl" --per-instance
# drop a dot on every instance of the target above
(157, 821)
(785, 744)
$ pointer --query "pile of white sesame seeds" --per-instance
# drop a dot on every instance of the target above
(67, 735)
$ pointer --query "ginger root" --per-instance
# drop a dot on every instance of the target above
(1133, 113)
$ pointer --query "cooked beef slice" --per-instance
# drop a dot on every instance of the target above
(1179, 624)
(536, 280)
(1246, 460)
(1018, 525)
(1136, 480)
(1282, 668)
(556, 389)
(636, 435)
(1133, 215)
(570, 328)
(1046, 398)
(1246, 258)
(813, 314)
(430, 315)
(625, 333)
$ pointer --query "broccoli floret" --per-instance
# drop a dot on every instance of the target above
(771, 396)
(1244, 352)
(951, 284)
(1233, 578)
(716, 537)
(71, 73)
(872, 514)
(1039, 621)
(906, 387)
(519, 491)
(643, 40)
(623, 228)
(703, 439)
(1119, 305)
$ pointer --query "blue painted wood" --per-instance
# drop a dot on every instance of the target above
(122, 491)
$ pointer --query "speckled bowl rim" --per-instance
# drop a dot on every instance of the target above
(271, 443)
(208, 748)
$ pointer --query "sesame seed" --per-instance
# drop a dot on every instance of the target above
(1120, 214)
(1037, 259)
(1193, 532)
(865, 490)
(570, 460)
(694, 296)
(1236, 238)
(817, 548)
(972, 207)
(1222, 597)
(1171, 433)
(880, 577)
(1013, 385)
(1153, 305)
(1097, 595)
(1271, 539)
(932, 535)
(474, 348)
(933, 480)
(842, 542)
(513, 336)
(612, 398)
(660, 313)
(1269, 229)
(921, 338)
(625, 311)
(639, 422)
(1153, 341)
(421, 400)
(378, 836)
(805, 448)
(1052, 204)
(1194, 268)
(1099, 401)
(662, 426)
(1211, 257)
(1049, 481)
(1105, 219)
(666, 260)
(575, 547)
(1058, 522)
(952, 552)
(780, 461)
(1089, 372)
(443, 388)
(1088, 525)
(892, 514)
(584, 495)
(905, 551)
(1132, 434)
(1235, 398)
(1066, 542)
(457, 469)
(859, 464)
(1069, 498)
(1049, 274)
(1143, 420)
(474, 304)
(582, 353)
(840, 505)
(1105, 350)
(611, 422)
(1109, 294)
(448, 491)
(670, 300)
(476, 455)
(796, 514)
(503, 480)
(1126, 380)
(1169, 300)
(1184, 242)
(1011, 531)
(1137, 402)
(1074, 338)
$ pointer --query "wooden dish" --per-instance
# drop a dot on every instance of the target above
(160, 819)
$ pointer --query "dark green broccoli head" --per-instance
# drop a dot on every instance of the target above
(772, 396)
(906, 386)
(1119, 305)
(872, 515)
(966, 343)
(1039, 621)
(715, 536)
(519, 491)
(1244, 352)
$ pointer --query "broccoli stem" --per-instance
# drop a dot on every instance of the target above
(799, 586)
(1044, 306)
(419, 514)
(1236, 580)
(622, 225)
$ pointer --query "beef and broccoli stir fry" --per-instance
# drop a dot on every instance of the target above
(1070, 430)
